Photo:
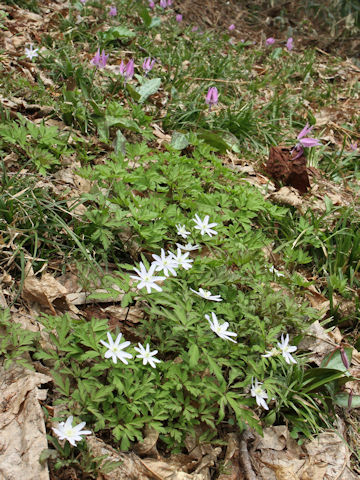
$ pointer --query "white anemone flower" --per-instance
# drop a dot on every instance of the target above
(272, 353)
(182, 259)
(287, 349)
(259, 393)
(276, 272)
(220, 330)
(181, 230)
(116, 349)
(66, 431)
(207, 295)
(166, 263)
(204, 226)
(189, 247)
(147, 278)
(31, 52)
(146, 355)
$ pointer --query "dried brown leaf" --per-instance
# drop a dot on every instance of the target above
(22, 428)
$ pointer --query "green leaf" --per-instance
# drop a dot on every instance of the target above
(148, 88)
(194, 355)
(222, 141)
(116, 33)
(316, 377)
(119, 143)
(46, 454)
(145, 16)
(333, 359)
(179, 141)
(134, 94)
(215, 369)
(342, 399)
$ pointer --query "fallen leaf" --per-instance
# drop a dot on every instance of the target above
(22, 427)
(320, 342)
(231, 468)
(286, 196)
(45, 291)
(148, 445)
(131, 467)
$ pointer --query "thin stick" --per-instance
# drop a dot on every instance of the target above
(245, 457)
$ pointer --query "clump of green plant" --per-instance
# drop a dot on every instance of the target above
(41, 144)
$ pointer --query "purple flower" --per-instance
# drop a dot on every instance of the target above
(178, 17)
(112, 12)
(290, 44)
(212, 97)
(151, 4)
(100, 60)
(195, 29)
(169, 3)
(304, 142)
(307, 141)
(83, 1)
(163, 3)
(148, 65)
(354, 146)
(232, 27)
(127, 71)
(270, 41)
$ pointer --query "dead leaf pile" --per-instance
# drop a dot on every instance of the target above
(276, 456)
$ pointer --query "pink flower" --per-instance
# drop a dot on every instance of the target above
(100, 60)
(290, 44)
(169, 3)
(127, 71)
(163, 3)
(148, 65)
(307, 141)
(232, 27)
(178, 17)
(151, 4)
(304, 142)
(270, 41)
(112, 12)
(212, 97)
(354, 146)
(195, 29)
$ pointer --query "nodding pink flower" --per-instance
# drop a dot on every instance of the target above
(112, 12)
(305, 142)
(232, 27)
(212, 97)
(127, 71)
(151, 4)
(83, 1)
(169, 3)
(195, 29)
(100, 60)
(148, 65)
(179, 17)
(354, 146)
(290, 44)
(270, 41)
(163, 3)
